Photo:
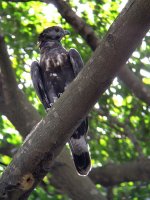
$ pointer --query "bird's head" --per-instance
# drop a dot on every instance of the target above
(54, 33)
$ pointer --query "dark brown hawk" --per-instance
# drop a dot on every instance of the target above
(56, 69)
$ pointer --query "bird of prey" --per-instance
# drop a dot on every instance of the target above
(56, 69)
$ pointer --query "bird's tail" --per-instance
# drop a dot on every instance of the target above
(79, 149)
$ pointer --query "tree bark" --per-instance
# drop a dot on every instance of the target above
(87, 33)
(47, 139)
(11, 93)
(113, 174)
(83, 186)
(24, 119)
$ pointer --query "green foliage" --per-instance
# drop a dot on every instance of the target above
(40, 194)
(108, 138)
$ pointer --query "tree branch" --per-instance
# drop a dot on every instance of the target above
(125, 74)
(5, 71)
(12, 95)
(134, 84)
(48, 138)
(24, 119)
(93, 41)
(114, 174)
(3, 108)
(83, 187)
(76, 22)
(108, 175)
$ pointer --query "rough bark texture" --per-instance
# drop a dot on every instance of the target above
(125, 74)
(83, 187)
(93, 41)
(45, 142)
(65, 179)
(24, 120)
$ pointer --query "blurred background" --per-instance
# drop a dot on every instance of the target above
(119, 123)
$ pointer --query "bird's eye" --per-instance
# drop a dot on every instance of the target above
(57, 30)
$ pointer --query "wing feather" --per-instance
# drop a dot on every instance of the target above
(76, 61)
(38, 84)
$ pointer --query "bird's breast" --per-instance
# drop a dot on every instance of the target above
(54, 62)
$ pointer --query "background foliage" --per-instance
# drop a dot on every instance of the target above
(118, 115)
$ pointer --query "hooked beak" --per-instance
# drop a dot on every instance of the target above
(66, 32)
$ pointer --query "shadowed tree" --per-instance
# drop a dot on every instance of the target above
(118, 113)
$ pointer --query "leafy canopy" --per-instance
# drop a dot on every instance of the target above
(115, 113)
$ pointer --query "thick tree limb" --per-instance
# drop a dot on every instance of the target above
(108, 175)
(11, 94)
(136, 25)
(64, 177)
(62, 168)
(47, 139)
(113, 174)
(71, 179)
(60, 171)
(125, 74)
(142, 92)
